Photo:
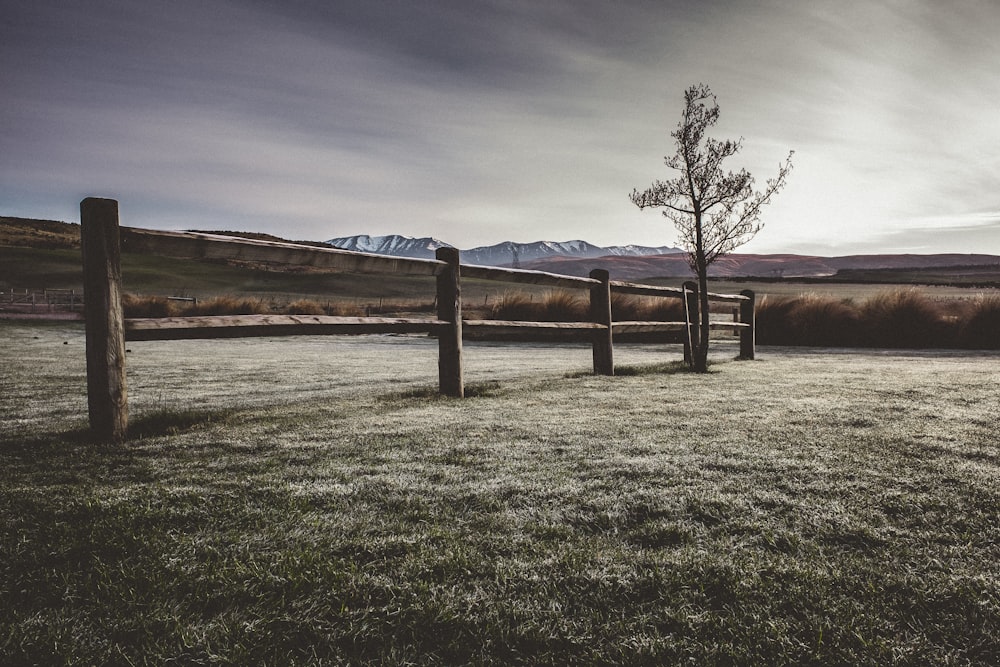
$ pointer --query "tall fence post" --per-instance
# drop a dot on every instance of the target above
(692, 328)
(600, 312)
(449, 308)
(748, 315)
(107, 398)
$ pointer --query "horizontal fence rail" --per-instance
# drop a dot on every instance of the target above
(243, 326)
(103, 240)
(199, 245)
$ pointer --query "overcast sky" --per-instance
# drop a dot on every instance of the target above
(483, 121)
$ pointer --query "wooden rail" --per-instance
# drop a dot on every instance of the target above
(243, 326)
(103, 240)
(198, 245)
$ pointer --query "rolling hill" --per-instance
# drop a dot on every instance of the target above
(577, 258)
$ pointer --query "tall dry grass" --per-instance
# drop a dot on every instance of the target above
(904, 318)
(980, 328)
(554, 306)
(229, 305)
(313, 307)
(159, 306)
(894, 319)
(808, 320)
(562, 306)
(148, 306)
(627, 307)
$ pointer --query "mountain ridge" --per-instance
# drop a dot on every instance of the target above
(504, 253)
(54, 234)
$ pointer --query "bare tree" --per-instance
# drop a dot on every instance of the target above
(714, 212)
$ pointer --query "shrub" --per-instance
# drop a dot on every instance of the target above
(772, 321)
(824, 322)
(627, 307)
(229, 305)
(305, 307)
(343, 310)
(557, 306)
(148, 306)
(562, 306)
(897, 319)
(980, 328)
(903, 318)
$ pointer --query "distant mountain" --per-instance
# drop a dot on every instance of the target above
(501, 254)
(396, 245)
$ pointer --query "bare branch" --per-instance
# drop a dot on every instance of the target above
(714, 212)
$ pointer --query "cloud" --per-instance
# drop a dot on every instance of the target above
(477, 122)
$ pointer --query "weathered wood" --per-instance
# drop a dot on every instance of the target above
(620, 287)
(522, 324)
(566, 332)
(727, 325)
(198, 245)
(691, 320)
(107, 396)
(600, 311)
(730, 298)
(525, 277)
(641, 327)
(248, 326)
(451, 381)
(748, 315)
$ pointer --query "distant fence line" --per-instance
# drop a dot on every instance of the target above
(103, 240)
(48, 299)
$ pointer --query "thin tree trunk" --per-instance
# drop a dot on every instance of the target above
(701, 354)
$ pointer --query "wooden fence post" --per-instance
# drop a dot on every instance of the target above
(449, 308)
(600, 312)
(748, 315)
(693, 328)
(107, 398)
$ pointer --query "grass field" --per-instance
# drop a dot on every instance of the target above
(312, 501)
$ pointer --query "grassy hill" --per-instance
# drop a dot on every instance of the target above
(41, 254)
(25, 232)
(45, 254)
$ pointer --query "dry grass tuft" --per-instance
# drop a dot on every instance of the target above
(980, 328)
(808, 320)
(903, 318)
(555, 306)
(906, 319)
(160, 306)
(229, 305)
(627, 307)
(305, 307)
(148, 306)
(562, 306)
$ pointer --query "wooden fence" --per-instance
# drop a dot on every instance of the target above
(103, 241)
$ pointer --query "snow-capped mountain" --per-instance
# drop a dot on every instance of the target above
(500, 254)
(394, 244)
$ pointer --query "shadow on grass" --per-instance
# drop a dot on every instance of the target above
(175, 421)
(489, 389)
(667, 368)
(630, 370)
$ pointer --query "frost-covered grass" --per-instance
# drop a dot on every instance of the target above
(312, 501)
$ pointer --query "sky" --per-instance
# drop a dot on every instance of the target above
(481, 121)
